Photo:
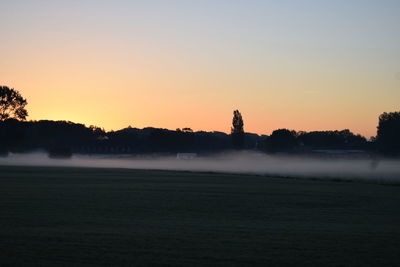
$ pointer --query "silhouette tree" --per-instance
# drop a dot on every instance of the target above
(281, 140)
(237, 131)
(388, 137)
(12, 104)
(343, 139)
(187, 130)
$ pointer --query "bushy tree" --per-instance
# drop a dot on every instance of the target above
(343, 139)
(12, 104)
(281, 140)
(388, 137)
(237, 131)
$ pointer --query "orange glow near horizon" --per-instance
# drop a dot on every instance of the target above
(119, 109)
(118, 64)
(114, 98)
(170, 96)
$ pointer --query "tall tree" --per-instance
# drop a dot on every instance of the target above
(237, 131)
(12, 104)
(388, 137)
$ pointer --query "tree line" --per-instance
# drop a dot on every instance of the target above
(64, 137)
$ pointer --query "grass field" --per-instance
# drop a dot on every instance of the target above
(77, 216)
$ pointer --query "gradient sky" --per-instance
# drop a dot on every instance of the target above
(303, 65)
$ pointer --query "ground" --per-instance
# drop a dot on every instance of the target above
(102, 217)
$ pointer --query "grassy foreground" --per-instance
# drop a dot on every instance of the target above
(77, 216)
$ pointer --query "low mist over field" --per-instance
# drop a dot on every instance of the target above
(240, 163)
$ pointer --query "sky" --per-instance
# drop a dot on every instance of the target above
(300, 64)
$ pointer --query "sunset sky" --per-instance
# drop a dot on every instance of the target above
(303, 65)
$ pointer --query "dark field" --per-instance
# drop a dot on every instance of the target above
(78, 216)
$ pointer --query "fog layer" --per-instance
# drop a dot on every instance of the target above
(240, 163)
